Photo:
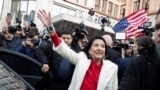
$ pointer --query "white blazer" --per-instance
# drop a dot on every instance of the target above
(108, 75)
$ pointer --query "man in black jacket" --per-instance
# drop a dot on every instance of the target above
(62, 69)
(143, 73)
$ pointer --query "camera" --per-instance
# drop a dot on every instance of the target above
(119, 44)
(148, 31)
(35, 42)
(80, 31)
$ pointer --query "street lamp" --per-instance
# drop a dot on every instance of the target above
(105, 22)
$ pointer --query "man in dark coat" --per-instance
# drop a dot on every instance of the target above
(61, 69)
(143, 73)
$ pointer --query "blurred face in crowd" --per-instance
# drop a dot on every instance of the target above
(32, 42)
(8, 36)
(17, 34)
(5, 28)
(83, 41)
(136, 47)
(108, 40)
(67, 39)
(28, 42)
(26, 25)
(157, 31)
(97, 50)
(129, 51)
(36, 37)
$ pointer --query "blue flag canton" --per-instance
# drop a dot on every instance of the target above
(121, 26)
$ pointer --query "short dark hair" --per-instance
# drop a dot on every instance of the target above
(89, 44)
(158, 13)
(145, 41)
(33, 31)
(66, 31)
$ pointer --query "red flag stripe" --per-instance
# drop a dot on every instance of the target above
(128, 35)
(136, 31)
(135, 14)
(131, 29)
(140, 15)
(136, 34)
(137, 19)
(139, 22)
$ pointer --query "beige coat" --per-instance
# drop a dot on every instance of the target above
(108, 75)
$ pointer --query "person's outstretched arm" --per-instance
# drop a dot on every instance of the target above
(46, 19)
(58, 45)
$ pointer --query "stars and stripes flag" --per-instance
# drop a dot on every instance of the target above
(130, 23)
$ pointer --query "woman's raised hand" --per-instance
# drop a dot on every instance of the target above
(45, 18)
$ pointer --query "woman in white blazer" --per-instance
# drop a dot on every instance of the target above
(91, 72)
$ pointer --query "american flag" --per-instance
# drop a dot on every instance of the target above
(131, 23)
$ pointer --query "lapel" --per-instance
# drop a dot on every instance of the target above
(84, 65)
(105, 75)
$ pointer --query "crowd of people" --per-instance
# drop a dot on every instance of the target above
(81, 64)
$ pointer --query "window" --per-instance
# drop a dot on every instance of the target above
(104, 6)
(110, 8)
(82, 2)
(89, 3)
(97, 5)
(23, 9)
(123, 10)
(115, 10)
(146, 5)
(136, 6)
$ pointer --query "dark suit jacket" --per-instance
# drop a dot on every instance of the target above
(143, 73)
